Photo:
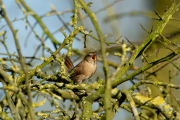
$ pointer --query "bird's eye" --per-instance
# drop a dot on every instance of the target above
(88, 56)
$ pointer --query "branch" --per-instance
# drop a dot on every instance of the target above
(105, 68)
(131, 102)
(157, 103)
(153, 83)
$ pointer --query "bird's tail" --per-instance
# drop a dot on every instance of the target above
(68, 63)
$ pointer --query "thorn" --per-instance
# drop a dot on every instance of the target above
(155, 19)
(131, 43)
(145, 58)
(118, 38)
(151, 29)
(166, 8)
(157, 52)
(144, 28)
(85, 41)
(160, 18)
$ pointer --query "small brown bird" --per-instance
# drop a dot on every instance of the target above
(84, 70)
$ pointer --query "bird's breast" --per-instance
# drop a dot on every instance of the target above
(90, 68)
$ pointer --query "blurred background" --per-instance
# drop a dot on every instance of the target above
(117, 19)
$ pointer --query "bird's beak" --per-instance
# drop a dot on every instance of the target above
(94, 58)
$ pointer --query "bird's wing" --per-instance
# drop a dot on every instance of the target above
(77, 75)
(76, 71)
